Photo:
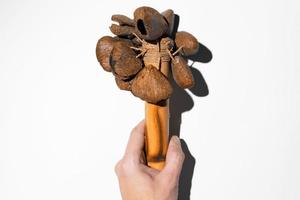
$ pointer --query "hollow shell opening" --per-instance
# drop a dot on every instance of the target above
(141, 27)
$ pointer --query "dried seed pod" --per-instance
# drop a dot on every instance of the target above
(170, 18)
(123, 85)
(103, 51)
(182, 73)
(126, 41)
(123, 31)
(188, 42)
(123, 61)
(123, 20)
(151, 85)
(149, 23)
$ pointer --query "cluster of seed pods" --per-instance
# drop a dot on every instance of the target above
(141, 47)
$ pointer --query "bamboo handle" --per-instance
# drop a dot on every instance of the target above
(157, 129)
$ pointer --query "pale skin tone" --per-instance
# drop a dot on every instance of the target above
(139, 182)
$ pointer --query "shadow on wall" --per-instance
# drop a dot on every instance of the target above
(181, 102)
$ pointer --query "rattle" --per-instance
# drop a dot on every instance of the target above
(140, 57)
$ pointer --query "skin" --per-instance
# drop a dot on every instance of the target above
(139, 182)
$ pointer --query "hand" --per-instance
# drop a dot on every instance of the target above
(139, 182)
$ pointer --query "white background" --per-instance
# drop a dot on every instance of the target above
(64, 123)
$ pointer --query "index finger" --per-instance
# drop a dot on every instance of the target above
(136, 141)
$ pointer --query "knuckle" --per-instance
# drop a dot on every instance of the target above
(119, 167)
(124, 167)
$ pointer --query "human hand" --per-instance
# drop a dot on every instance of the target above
(139, 182)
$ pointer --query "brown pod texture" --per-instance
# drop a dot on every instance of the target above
(123, 85)
(123, 20)
(188, 42)
(182, 73)
(170, 18)
(122, 31)
(124, 40)
(123, 61)
(103, 51)
(151, 85)
(149, 23)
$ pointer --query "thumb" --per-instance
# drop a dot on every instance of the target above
(174, 159)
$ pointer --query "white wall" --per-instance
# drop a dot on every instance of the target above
(64, 124)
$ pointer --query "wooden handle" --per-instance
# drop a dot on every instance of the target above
(157, 129)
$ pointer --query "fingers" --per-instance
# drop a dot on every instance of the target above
(136, 142)
(174, 160)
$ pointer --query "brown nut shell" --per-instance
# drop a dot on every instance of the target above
(123, 20)
(149, 23)
(123, 85)
(123, 61)
(123, 31)
(188, 42)
(103, 51)
(124, 40)
(151, 85)
(182, 73)
(170, 18)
